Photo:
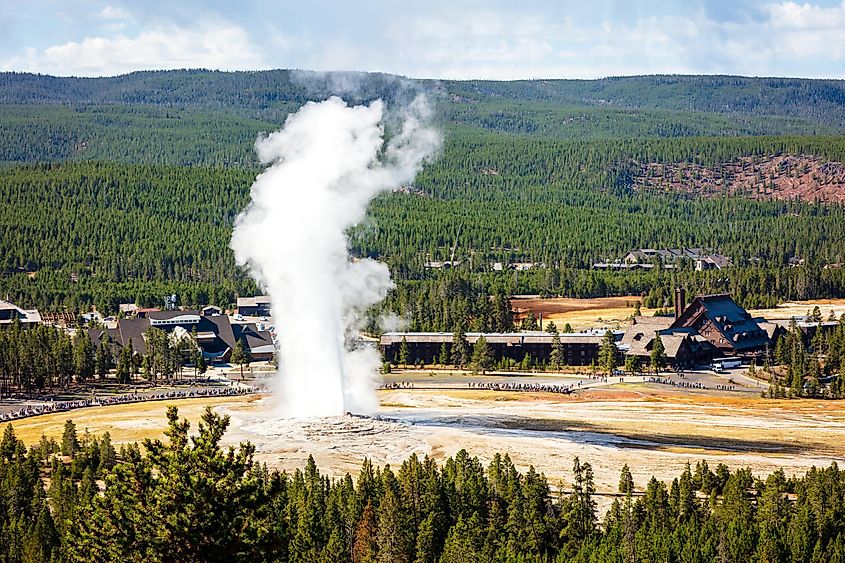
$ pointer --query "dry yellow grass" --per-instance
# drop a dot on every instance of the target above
(125, 423)
(607, 317)
(583, 314)
(799, 308)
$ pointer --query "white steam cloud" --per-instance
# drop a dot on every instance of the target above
(325, 165)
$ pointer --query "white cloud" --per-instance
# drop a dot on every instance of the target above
(499, 41)
(807, 30)
(790, 39)
(805, 17)
(113, 13)
(499, 45)
(209, 44)
(114, 26)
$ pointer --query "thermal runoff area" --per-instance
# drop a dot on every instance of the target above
(324, 167)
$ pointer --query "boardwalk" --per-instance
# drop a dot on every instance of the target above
(62, 406)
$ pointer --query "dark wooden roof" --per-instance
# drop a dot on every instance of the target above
(736, 325)
(255, 339)
(134, 329)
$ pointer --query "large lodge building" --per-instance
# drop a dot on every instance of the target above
(711, 326)
(215, 335)
(579, 349)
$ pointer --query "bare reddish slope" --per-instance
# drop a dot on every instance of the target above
(802, 177)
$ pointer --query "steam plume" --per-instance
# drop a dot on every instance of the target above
(325, 165)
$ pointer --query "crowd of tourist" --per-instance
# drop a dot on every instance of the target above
(673, 383)
(530, 387)
(397, 385)
(61, 406)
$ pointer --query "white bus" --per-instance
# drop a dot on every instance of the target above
(720, 364)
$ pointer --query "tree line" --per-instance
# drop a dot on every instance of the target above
(49, 359)
(814, 102)
(809, 366)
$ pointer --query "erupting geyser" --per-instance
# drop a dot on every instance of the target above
(325, 165)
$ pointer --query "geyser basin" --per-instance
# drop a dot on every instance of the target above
(325, 166)
(653, 437)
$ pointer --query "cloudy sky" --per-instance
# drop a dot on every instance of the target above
(498, 39)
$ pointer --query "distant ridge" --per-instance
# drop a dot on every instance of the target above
(819, 101)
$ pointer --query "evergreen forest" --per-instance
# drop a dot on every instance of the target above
(125, 189)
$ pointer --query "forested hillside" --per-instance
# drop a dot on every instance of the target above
(126, 188)
(155, 134)
(205, 117)
(819, 101)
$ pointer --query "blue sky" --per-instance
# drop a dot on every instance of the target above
(429, 39)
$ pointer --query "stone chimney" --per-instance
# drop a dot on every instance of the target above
(680, 301)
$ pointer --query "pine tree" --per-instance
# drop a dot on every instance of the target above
(42, 540)
(482, 359)
(70, 441)
(202, 367)
(395, 543)
(463, 544)
(556, 356)
(173, 499)
(526, 364)
(63, 353)
(608, 353)
(772, 515)
(502, 316)
(83, 355)
(658, 354)
(529, 322)
(103, 358)
(460, 349)
(364, 546)
(107, 455)
(335, 549)
(626, 481)
(124, 365)
(403, 351)
(443, 356)
(579, 510)
(426, 549)
(781, 352)
(240, 356)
